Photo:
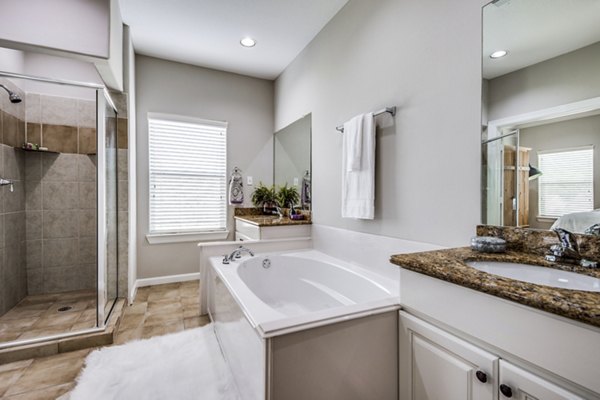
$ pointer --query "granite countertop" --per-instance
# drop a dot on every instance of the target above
(449, 265)
(272, 220)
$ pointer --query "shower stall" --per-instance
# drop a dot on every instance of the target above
(59, 270)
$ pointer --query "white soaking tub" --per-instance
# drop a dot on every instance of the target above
(305, 325)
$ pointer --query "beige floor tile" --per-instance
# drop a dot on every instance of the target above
(151, 331)
(18, 324)
(131, 321)
(15, 365)
(164, 306)
(15, 313)
(80, 326)
(48, 393)
(136, 308)
(35, 333)
(191, 301)
(195, 322)
(8, 378)
(49, 371)
(128, 335)
(163, 318)
(164, 295)
(9, 336)
(64, 320)
(88, 315)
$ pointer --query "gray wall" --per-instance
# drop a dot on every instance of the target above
(175, 88)
(565, 79)
(292, 153)
(561, 135)
(423, 56)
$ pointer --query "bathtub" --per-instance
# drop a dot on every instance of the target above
(306, 325)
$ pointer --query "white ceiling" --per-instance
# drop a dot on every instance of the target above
(536, 30)
(207, 32)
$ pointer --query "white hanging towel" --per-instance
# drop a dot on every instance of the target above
(358, 168)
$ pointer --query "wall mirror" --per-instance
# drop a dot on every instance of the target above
(541, 114)
(292, 158)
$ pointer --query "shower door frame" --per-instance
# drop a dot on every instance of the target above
(101, 203)
(102, 100)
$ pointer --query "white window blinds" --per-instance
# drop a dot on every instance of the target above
(567, 183)
(187, 174)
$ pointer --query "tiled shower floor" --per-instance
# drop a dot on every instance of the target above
(38, 316)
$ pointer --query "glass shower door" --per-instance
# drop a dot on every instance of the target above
(107, 207)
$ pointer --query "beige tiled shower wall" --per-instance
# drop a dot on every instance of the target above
(61, 222)
(60, 194)
(61, 124)
(13, 276)
(123, 191)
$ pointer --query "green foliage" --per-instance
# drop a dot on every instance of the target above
(264, 195)
(288, 196)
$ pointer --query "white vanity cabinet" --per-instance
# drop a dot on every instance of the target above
(436, 365)
(519, 384)
(245, 230)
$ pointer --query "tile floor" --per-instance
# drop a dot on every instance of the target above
(157, 310)
(38, 315)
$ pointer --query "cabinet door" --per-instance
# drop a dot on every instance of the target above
(436, 365)
(518, 384)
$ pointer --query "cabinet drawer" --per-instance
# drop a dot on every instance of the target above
(249, 230)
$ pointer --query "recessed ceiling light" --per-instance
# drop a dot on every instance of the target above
(498, 54)
(248, 42)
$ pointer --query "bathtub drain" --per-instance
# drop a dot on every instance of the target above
(266, 263)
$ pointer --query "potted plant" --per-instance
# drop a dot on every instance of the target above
(288, 197)
(264, 197)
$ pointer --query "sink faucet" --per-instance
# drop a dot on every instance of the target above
(237, 253)
(567, 250)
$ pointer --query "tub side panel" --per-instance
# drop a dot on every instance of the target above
(243, 349)
(350, 360)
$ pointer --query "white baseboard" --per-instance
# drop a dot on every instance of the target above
(160, 280)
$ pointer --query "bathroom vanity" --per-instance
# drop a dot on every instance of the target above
(465, 333)
(263, 227)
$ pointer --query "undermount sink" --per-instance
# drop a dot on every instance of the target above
(539, 275)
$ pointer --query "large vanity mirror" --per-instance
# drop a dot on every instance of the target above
(541, 114)
(292, 159)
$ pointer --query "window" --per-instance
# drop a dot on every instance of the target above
(187, 175)
(567, 182)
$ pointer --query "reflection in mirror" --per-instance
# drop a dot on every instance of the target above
(541, 114)
(292, 159)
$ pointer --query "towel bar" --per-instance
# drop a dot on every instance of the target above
(391, 110)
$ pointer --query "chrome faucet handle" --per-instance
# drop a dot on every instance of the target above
(567, 242)
(225, 259)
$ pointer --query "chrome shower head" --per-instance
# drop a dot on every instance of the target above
(12, 96)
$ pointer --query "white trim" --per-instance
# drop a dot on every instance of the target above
(161, 280)
(565, 110)
(186, 119)
(160, 238)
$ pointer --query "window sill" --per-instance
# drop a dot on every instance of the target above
(541, 218)
(161, 238)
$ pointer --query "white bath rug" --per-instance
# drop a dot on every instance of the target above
(179, 366)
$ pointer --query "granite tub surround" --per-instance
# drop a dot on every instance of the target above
(450, 265)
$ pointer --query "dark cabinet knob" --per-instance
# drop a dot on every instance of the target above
(481, 376)
(506, 390)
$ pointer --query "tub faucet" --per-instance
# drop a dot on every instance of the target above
(567, 250)
(237, 253)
